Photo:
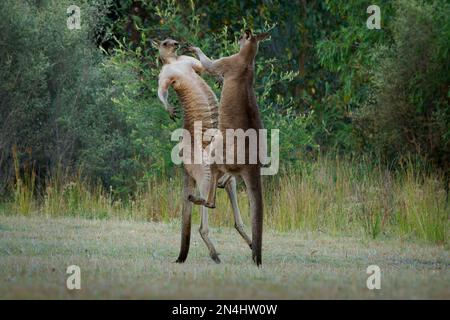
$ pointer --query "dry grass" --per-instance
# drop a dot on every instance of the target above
(331, 195)
(128, 259)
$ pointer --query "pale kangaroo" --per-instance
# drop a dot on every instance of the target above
(238, 110)
(199, 104)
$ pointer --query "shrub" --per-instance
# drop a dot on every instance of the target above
(410, 111)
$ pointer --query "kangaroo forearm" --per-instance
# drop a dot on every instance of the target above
(211, 66)
(163, 96)
(207, 63)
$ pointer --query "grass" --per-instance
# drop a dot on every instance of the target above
(132, 259)
(331, 195)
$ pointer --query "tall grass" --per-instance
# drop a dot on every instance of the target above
(24, 187)
(330, 195)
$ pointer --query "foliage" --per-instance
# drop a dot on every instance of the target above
(410, 113)
(55, 98)
(83, 132)
(350, 53)
(138, 60)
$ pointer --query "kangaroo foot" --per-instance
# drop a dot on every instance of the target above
(257, 260)
(209, 205)
(196, 200)
(180, 260)
(215, 257)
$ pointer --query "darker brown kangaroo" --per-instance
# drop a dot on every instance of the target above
(239, 110)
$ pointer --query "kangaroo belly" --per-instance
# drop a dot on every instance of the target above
(199, 106)
(234, 105)
(238, 111)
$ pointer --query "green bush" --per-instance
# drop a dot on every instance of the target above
(349, 52)
(410, 111)
(329, 84)
(55, 101)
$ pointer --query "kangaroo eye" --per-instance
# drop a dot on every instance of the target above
(165, 44)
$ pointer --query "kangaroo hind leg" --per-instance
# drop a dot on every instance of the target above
(207, 179)
(223, 180)
(230, 187)
(204, 228)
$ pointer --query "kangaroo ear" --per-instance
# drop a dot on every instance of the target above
(262, 36)
(248, 33)
(155, 43)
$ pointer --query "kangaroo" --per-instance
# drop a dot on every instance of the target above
(199, 104)
(238, 110)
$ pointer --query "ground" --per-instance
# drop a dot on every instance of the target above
(127, 259)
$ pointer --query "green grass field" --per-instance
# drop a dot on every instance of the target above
(129, 259)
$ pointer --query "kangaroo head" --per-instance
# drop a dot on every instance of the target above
(249, 42)
(248, 38)
(167, 48)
